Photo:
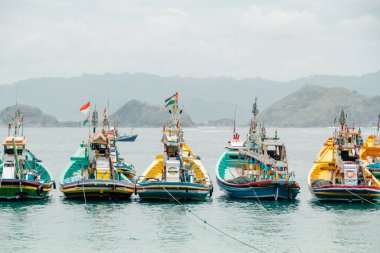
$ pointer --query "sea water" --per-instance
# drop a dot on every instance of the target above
(304, 225)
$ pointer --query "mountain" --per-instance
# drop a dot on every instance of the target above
(221, 122)
(135, 113)
(210, 98)
(317, 106)
(33, 116)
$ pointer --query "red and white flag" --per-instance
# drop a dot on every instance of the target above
(85, 108)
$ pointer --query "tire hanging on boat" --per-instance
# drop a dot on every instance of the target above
(40, 190)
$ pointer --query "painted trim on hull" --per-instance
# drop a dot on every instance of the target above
(98, 189)
(339, 193)
(248, 193)
(169, 185)
(28, 189)
(179, 191)
(28, 183)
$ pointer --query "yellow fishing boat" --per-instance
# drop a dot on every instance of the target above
(177, 173)
(338, 174)
(370, 155)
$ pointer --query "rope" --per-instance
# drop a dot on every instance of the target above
(210, 225)
(258, 199)
(84, 195)
(366, 200)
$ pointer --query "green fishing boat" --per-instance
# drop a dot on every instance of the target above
(23, 176)
(92, 172)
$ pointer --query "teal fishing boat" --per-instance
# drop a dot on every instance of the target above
(256, 168)
(177, 174)
(23, 176)
(91, 171)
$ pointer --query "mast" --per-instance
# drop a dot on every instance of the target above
(17, 119)
(253, 127)
(95, 119)
(342, 120)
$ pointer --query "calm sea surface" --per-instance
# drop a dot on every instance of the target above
(59, 225)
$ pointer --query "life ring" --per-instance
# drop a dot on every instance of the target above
(40, 190)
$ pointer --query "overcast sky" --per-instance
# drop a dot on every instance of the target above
(277, 40)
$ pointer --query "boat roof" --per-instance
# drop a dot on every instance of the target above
(99, 137)
(272, 142)
(110, 134)
(170, 138)
(19, 140)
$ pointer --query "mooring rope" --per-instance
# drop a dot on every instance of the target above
(84, 195)
(258, 199)
(210, 225)
(378, 206)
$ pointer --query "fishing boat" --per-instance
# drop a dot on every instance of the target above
(91, 172)
(23, 176)
(257, 168)
(370, 152)
(338, 174)
(127, 138)
(177, 173)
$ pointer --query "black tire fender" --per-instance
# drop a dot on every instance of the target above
(211, 190)
(40, 190)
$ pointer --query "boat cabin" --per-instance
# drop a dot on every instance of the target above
(9, 170)
(274, 149)
(99, 144)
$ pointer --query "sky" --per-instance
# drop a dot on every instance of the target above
(277, 40)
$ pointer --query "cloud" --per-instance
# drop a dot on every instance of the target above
(365, 27)
(270, 22)
(281, 40)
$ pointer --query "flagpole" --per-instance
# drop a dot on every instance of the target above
(235, 121)
(89, 123)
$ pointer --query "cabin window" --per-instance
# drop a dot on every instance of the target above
(345, 155)
(172, 151)
(101, 148)
(234, 157)
(10, 151)
(274, 152)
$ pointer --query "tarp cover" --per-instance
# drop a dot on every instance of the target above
(99, 137)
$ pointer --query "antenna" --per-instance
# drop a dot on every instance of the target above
(235, 121)
(17, 94)
(108, 103)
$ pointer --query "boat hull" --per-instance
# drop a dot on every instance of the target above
(346, 193)
(168, 191)
(375, 172)
(98, 189)
(130, 138)
(13, 189)
(266, 190)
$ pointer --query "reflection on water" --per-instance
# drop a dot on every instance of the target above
(345, 206)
